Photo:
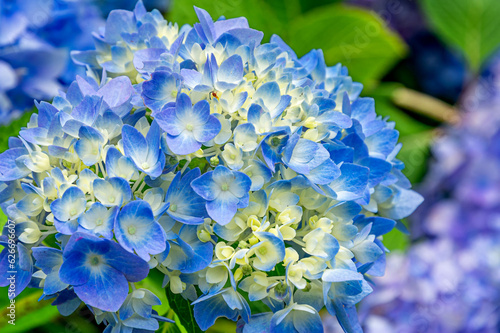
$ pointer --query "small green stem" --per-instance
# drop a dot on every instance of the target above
(426, 105)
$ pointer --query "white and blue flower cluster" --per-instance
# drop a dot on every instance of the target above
(249, 177)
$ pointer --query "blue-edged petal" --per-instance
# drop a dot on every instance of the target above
(70, 206)
(105, 289)
(136, 230)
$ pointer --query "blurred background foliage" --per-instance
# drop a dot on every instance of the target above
(414, 57)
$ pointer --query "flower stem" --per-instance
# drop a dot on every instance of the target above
(426, 105)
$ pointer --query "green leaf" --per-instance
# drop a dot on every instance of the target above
(12, 130)
(471, 25)
(396, 240)
(354, 37)
(415, 154)
(29, 313)
(184, 310)
(272, 22)
(357, 38)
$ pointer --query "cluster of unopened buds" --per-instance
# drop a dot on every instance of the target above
(244, 174)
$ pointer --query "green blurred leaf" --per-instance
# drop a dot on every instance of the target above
(273, 22)
(29, 313)
(471, 25)
(355, 37)
(3, 219)
(396, 240)
(184, 310)
(12, 130)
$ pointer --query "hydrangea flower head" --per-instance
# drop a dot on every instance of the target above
(232, 167)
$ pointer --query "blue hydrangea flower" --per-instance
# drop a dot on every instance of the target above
(225, 165)
(136, 230)
(225, 192)
(95, 268)
(145, 152)
(68, 209)
(188, 126)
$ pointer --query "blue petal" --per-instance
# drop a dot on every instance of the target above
(70, 206)
(382, 143)
(160, 90)
(9, 169)
(403, 204)
(134, 144)
(204, 186)
(351, 183)
(325, 173)
(168, 121)
(207, 24)
(209, 131)
(231, 72)
(74, 270)
(223, 209)
(106, 289)
(183, 144)
(136, 229)
(112, 192)
(186, 205)
(189, 254)
(118, 165)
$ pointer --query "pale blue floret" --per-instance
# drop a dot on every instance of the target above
(342, 289)
(227, 76)
(112, 192)
(224, 303)
(68, 209)
(188, 126)
(9, 169)
(225, 192)
(89, 147)
(155, 197)
(269, 97)
(118, 165)
(269, 251)
(144, 152)
(296, 318)
(136, 230)
(310, 159)
(99, 220)
(160, 90)
(140, 302)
